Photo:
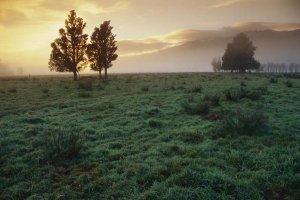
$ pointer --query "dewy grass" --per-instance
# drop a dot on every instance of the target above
(125, 142)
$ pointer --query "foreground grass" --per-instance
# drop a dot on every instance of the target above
(134, 137)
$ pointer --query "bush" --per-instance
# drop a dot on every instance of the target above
(86, 84)
(243, 123)
(63, 144)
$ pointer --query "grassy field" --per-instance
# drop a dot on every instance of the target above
(150, 136)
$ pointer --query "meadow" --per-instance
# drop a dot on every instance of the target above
(150, 136)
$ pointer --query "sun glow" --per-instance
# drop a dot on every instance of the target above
(143, 27)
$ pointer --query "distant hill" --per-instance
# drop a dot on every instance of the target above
(197, 49)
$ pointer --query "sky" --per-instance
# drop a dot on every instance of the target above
(27, 28)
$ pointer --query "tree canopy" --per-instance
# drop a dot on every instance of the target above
(102, 49)
(68, 51)
(239, 55)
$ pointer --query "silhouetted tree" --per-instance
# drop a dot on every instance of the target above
(239, 55)
(68, 51)
(216, 64)
(102, 49)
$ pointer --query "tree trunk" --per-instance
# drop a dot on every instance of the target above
(75, 78)
(105, 73)
(100, 74)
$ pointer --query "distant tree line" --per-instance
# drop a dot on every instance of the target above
(280, 68)
(71, 51)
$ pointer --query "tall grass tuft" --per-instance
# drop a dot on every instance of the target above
(243, 123)
(235, 94)
(63, 144)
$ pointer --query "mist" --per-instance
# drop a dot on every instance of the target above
(5, 70)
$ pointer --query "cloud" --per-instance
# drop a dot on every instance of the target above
(158, 43)
(258, 26)
(162, 42)
(18, 12)
(138, 47)
(9, 17)
(186, 35)
(225, 3)
(92, 6)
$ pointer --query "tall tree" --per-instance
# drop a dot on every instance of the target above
(68, 51)
(102, 49)
(239, 55)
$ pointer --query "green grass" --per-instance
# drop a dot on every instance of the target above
(130, 138)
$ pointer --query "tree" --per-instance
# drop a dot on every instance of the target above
(216, 64)
(68, 51)
(102, 49)
(239, 55)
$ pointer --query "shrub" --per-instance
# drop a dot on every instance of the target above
(63, 144)
(243, 123)
(86, 84)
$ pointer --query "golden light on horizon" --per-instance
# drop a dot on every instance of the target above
(28, 27)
